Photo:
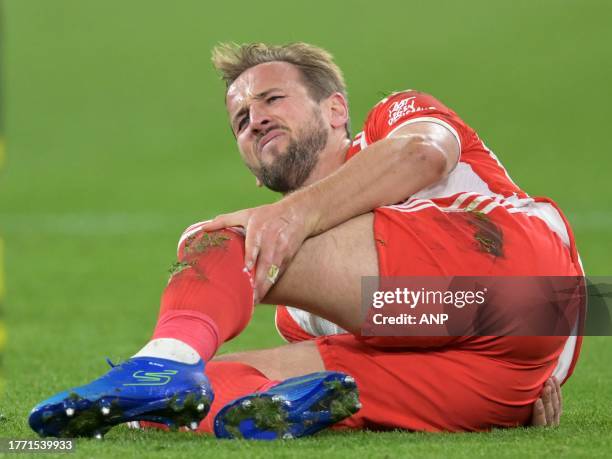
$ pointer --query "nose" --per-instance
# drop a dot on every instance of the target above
(260, 118)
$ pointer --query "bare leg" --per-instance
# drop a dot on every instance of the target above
(281, 362)
(324, 278)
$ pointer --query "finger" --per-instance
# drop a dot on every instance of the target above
(268, 271)
(239, 218)
(553, 402)
(252, 245)
(548, 406)
(556, 400)
(538, 417)
(558, 385)
(268, 268)
(267, 279)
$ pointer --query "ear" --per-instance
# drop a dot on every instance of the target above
(338, 110)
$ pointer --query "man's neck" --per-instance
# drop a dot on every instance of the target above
(330, 159)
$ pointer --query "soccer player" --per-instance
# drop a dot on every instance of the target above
(415, 193)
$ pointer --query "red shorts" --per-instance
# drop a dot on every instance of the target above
(466, 383)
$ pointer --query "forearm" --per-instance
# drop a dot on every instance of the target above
(386, 172)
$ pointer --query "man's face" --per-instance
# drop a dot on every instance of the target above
(279, 128)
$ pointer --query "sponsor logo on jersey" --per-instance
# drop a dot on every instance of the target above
(404, 107)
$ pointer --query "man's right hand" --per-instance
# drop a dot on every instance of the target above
(548, 408)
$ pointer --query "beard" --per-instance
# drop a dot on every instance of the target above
(289, 170)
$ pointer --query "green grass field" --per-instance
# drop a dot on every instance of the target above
(117, 140)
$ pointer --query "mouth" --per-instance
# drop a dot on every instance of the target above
(270, 135)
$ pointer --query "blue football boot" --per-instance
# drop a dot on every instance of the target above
(294, 408)
(141, 388)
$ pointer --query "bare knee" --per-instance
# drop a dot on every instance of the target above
(325, 276)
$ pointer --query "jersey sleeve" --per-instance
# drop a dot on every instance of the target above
(407, 107)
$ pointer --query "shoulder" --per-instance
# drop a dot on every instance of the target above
(404, 107)
(400, 104)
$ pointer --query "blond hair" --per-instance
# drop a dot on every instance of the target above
(320, 74)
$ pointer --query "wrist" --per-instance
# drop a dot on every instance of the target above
(309, 208)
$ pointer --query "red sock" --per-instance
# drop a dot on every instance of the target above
(209, 298)
(231, 380)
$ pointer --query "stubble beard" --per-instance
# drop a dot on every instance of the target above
(288, 171)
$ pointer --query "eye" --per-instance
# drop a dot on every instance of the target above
(274, 98)
(242, 123)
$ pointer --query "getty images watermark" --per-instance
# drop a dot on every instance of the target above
(486, 306)
(413, 298)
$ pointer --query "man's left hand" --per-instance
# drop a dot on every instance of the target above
(548, 408)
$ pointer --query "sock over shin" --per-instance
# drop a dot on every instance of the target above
(208, 300)
(230, 380)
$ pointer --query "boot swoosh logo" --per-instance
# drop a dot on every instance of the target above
(152, 378)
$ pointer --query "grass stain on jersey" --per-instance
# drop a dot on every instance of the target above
(202, 242)
(178, 267)
(489, 236)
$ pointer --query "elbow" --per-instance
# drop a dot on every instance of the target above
(421, 153)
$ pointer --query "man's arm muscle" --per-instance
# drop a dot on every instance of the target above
(390, 170)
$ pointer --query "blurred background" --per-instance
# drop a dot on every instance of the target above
(117, 139)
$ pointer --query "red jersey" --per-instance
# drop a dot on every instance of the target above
(477, 177)
(478, 182)
(478, 169)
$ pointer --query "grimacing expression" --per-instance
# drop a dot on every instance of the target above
(279, 128)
